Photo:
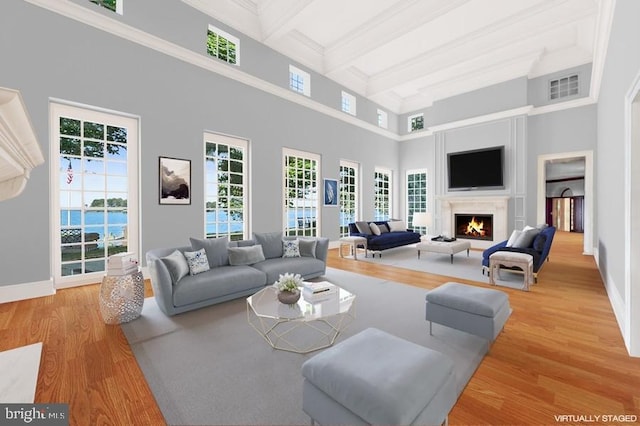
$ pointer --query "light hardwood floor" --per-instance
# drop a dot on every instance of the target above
(560, 353)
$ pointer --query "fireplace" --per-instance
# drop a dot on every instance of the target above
(474, 226)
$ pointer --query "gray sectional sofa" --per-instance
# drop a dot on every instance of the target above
(236, 268)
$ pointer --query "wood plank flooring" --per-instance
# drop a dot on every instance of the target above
(561, 352)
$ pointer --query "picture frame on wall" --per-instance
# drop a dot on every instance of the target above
(330, 192)
(175, 181)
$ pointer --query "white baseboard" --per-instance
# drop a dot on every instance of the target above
(15, 292)
(615, 298)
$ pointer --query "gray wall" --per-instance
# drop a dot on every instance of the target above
(621, 68)
(48, 56)
(538, 88)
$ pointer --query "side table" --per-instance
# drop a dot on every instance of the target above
(353, 243)
(121, 297)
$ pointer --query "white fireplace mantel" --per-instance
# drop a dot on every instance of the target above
(498, 206)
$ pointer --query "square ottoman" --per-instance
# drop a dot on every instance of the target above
(475, 310)
(377, 378)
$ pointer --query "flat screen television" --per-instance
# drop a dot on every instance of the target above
(479, 169)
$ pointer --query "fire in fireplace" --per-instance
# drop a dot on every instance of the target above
(474, 226)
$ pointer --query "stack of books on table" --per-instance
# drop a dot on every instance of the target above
(122, 264)
(315, 292)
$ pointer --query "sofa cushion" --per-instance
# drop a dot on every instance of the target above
(217, 282)
(305, 266)
(525, 239)
(177, 265)
(397, 226)
(363, 227)
(513, 238)
(383, 228)
(375, 230)
(539, 242)
(245, 255)
(197, 261)
(307, 247)
(290, 248)
(271, 243)
(216, 249)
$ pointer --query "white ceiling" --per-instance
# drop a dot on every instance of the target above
(406, 54)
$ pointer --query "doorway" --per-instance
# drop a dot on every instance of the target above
(566, 213)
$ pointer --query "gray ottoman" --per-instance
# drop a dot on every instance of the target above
(475, 310)
(377, 378)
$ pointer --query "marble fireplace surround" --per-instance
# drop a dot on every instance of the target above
(498, 206)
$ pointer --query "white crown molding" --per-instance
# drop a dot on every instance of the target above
(601, 43)
(576, 103)
(117, 28)
(12, 293)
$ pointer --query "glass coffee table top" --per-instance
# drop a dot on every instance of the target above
(305, 326)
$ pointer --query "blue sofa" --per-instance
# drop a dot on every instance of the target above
(387, 240)
(539, 249)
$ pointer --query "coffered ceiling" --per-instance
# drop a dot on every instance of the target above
(406, 54)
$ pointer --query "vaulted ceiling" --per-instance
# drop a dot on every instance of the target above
(406, 54)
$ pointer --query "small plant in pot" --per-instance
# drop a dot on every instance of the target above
(288, 286)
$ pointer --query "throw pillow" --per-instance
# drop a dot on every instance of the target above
(397, 226)
(271, 243)
(363, 228)
(216, 249)
(197, 261)
(383, 228)
(245, 255)
(177, 265)
(375, 229)
(514, 236)
(525, 239)
(307, 247)
(539, 241)
(290, 248)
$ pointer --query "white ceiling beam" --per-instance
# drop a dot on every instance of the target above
(396, 21)
(280, 17)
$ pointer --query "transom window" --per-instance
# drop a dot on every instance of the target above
(223, 46)
(563, 87)
(348, 103)
(112, 5)
(226, 186)
(382, 194)
(348, 195)
(416, 122)
(299, 81)
(95, 187)
(383, 119)
(301, 193)
(416, 196)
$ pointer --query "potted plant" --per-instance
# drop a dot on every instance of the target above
(288, 286)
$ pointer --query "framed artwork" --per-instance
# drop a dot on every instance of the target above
(175, 181)
(330, 192)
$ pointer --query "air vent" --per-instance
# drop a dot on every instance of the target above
(563, 87)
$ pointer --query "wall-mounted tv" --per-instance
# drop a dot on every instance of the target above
(479, 169)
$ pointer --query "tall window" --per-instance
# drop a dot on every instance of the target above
(348, 103)
(223, 46)
(415, 122)
(226, 178)
(382, 194)
(301, 193)
(299, 81)
(348, 195)
(94, 173)
(112, 5)
(416, 196)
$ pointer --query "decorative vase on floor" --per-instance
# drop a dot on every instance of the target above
(289, 297)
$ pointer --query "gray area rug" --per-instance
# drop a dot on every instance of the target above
(463, 266)
(211, 367)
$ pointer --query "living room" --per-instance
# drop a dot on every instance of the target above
(178, 94)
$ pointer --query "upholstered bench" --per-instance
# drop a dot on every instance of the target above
(475, 310)
(377, 378)
(510, 259)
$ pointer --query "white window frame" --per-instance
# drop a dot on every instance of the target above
(229, 37)
(310, 198)
(410, 120)
(210, 184)
(410, 205)
(389, 173)
(302, 75)
(383, 119)
(564, 87)
(59, 109)
(344, 227)
(348, 103)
